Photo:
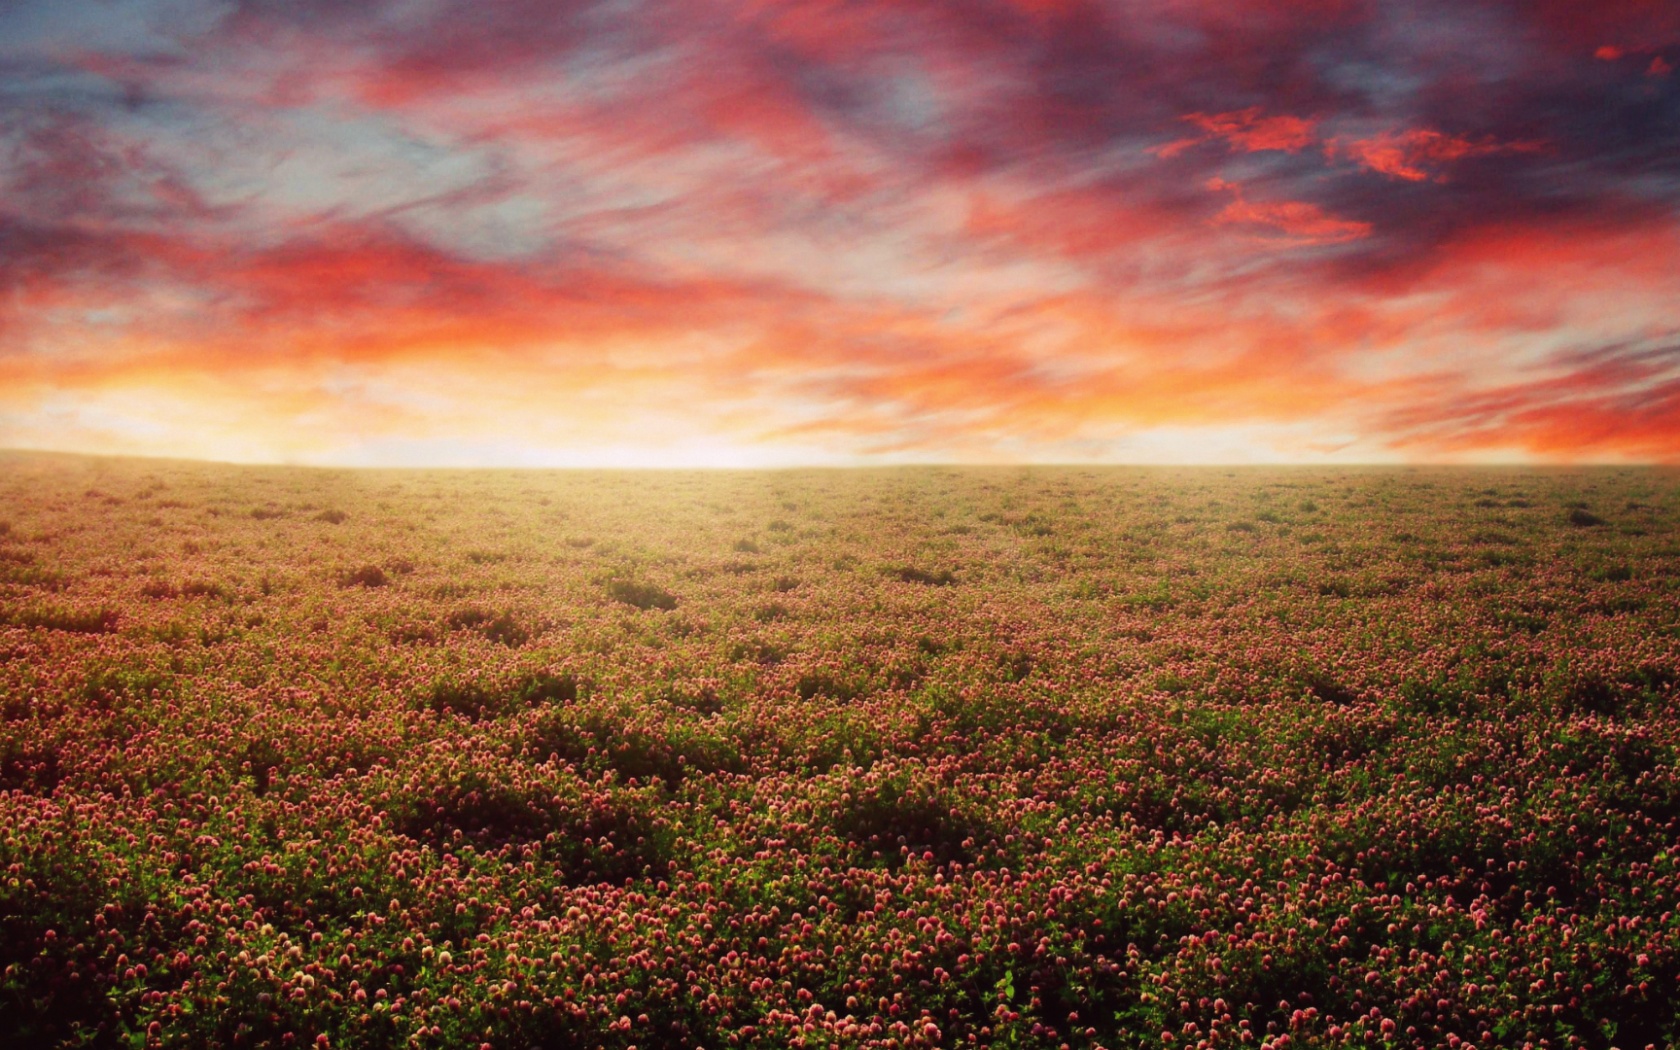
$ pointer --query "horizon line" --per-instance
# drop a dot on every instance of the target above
(1389, 465)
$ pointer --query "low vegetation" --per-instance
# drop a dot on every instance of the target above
(899, 759)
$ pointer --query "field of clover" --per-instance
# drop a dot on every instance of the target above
(894, 759)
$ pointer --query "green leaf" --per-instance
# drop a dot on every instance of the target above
(1006, 984)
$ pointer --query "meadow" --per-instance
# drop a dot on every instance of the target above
(1060, 758)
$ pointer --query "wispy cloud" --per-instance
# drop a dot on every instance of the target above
(807, 231)
(1417, 154)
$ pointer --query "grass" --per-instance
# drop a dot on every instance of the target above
(895, 759)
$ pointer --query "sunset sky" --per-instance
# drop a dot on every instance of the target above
(694, 232)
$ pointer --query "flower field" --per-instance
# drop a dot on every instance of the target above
(907, 758)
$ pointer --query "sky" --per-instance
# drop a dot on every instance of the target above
(758, 233)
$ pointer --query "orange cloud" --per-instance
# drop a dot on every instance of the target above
(413, 338)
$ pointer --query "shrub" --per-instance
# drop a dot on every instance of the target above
(925, 577)
(644, 745)
(366, 576)
(1327, 690)
(478, 700)
(545, 687)
(641, 594)
(74, 621)
(895, 818)
(502, 628)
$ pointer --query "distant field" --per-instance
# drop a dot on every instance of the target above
(911, 758)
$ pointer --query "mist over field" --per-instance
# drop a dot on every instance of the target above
(1083, 757)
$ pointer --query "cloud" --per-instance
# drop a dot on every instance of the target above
(1613, 403)
(1247, 130)
(892, 228)
(1420, 153)
(1301, 222)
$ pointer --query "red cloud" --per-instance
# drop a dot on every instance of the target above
(1301, 222)
(1419, 153)
(1247, 130)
